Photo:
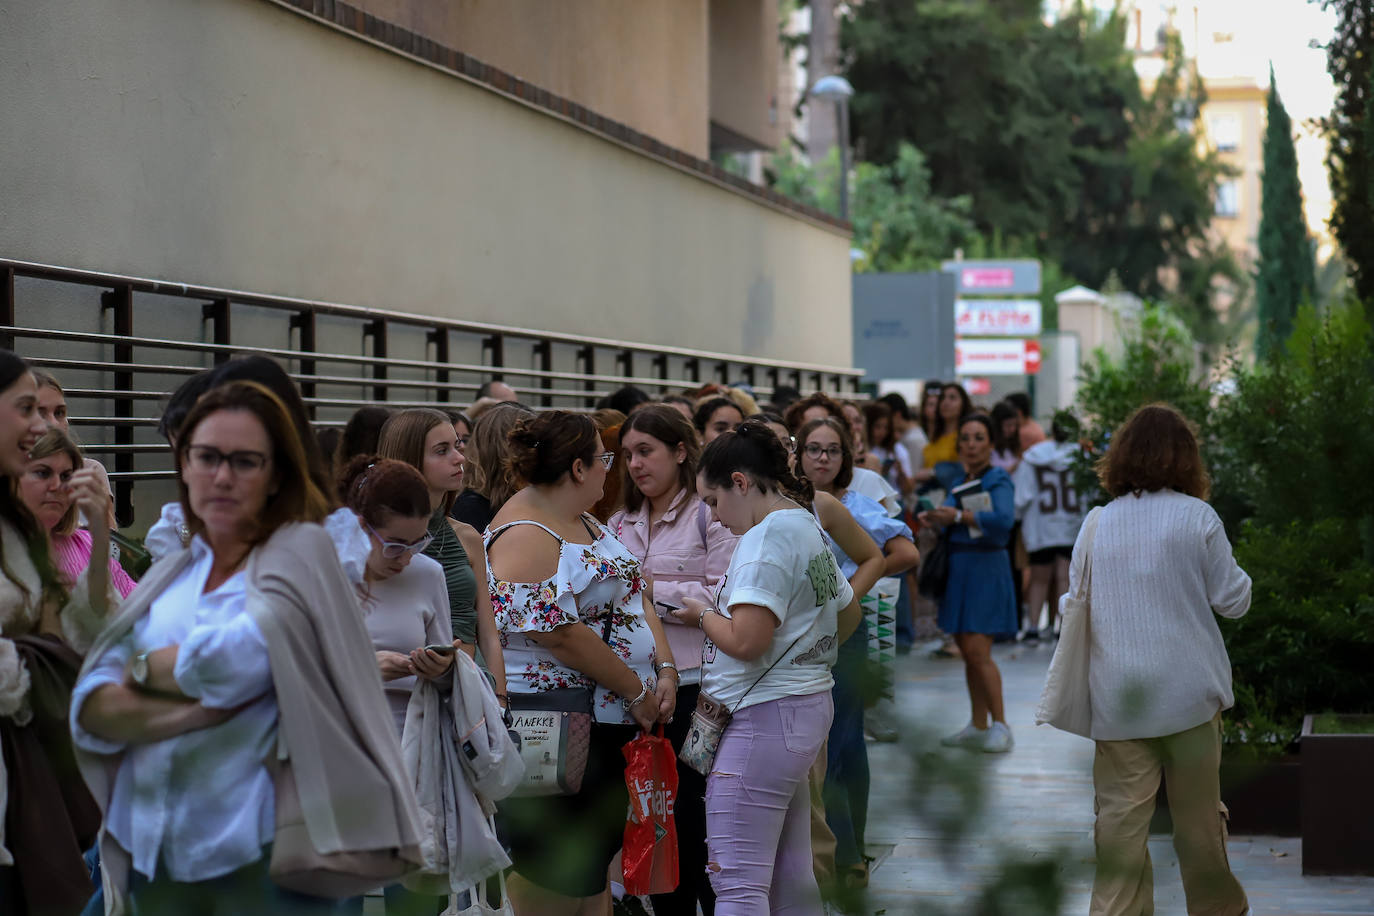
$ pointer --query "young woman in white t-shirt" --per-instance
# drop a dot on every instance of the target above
(781, 612)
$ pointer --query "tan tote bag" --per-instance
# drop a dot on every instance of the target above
(1065, 702)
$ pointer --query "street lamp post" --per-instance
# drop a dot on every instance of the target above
(837, 89)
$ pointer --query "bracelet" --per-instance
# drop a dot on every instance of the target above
(643, 695)
(667, 666)
(701, 621)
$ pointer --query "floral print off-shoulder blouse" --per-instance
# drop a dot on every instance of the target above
(597, 584)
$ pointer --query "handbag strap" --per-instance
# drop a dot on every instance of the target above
(1089, 536)
(768, 669)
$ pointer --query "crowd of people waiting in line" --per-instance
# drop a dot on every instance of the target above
(315, 598)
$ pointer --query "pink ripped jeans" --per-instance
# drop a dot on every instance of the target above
(758, 808)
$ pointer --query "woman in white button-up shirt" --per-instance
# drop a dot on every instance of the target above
(188, 695)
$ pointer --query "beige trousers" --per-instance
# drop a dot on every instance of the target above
(1126, 778)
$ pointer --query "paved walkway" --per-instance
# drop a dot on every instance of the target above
(1036, 810)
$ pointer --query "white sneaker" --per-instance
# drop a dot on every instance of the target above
(968, 737)
(997, 739)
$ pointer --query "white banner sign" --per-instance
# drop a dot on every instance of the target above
(997, 357)
(997, 317)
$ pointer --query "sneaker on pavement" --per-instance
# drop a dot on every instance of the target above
(997, 739)
(1032, 637)
(969, 736)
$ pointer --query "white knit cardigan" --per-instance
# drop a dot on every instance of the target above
(1162, 570)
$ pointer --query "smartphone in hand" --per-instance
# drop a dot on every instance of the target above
(443, 649)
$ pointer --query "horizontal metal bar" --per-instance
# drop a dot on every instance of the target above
(106, 449)
(198, 347)
(86, 365)
(143, 475)
(114, 421)
(287, 303)
(112, 394)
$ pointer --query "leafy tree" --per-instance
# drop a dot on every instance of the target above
(1298, 426)
(899, 225)
(1286, 278)
(1350, 128)
(1047, 131)
(957, 80)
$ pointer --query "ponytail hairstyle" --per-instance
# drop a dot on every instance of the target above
(755, 451)
(543, 447)
(486, 452)
(379, 489)
(13, 367)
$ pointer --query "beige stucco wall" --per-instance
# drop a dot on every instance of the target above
(642, 63)
(1246, 105)
(233, 143)
(744, 70)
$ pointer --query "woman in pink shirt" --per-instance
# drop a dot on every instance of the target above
(684, 554)
(45, 488)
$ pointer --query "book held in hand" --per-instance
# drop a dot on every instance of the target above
(971, 496)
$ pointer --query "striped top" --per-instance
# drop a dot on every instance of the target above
(72, 554)
(458, 576)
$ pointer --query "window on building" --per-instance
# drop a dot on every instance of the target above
(1228, 198)
(1224, 129)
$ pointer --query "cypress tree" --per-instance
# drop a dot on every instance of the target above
(1350, 157)
(1286, 274)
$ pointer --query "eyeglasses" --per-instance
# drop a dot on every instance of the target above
(789, 443)
(607, 459)
(206, 459)
(813, 450)
(393, 549)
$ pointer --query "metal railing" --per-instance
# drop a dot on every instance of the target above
(341, 356)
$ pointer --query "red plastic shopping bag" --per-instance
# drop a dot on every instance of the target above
(649, 857)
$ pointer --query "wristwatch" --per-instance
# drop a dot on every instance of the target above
(138, 671)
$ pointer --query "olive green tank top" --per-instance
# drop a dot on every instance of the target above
(458, 574)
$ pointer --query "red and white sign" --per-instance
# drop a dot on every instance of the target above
(978, 387)
(996, 279)
(997, 317)
(997, 357)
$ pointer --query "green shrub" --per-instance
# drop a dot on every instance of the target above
(1298, 433)
(1158, 363)
(1305, 645)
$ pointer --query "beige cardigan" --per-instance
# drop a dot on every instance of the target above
(332, 716)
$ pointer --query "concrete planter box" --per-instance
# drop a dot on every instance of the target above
(1338, 797)
(1263, 798)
